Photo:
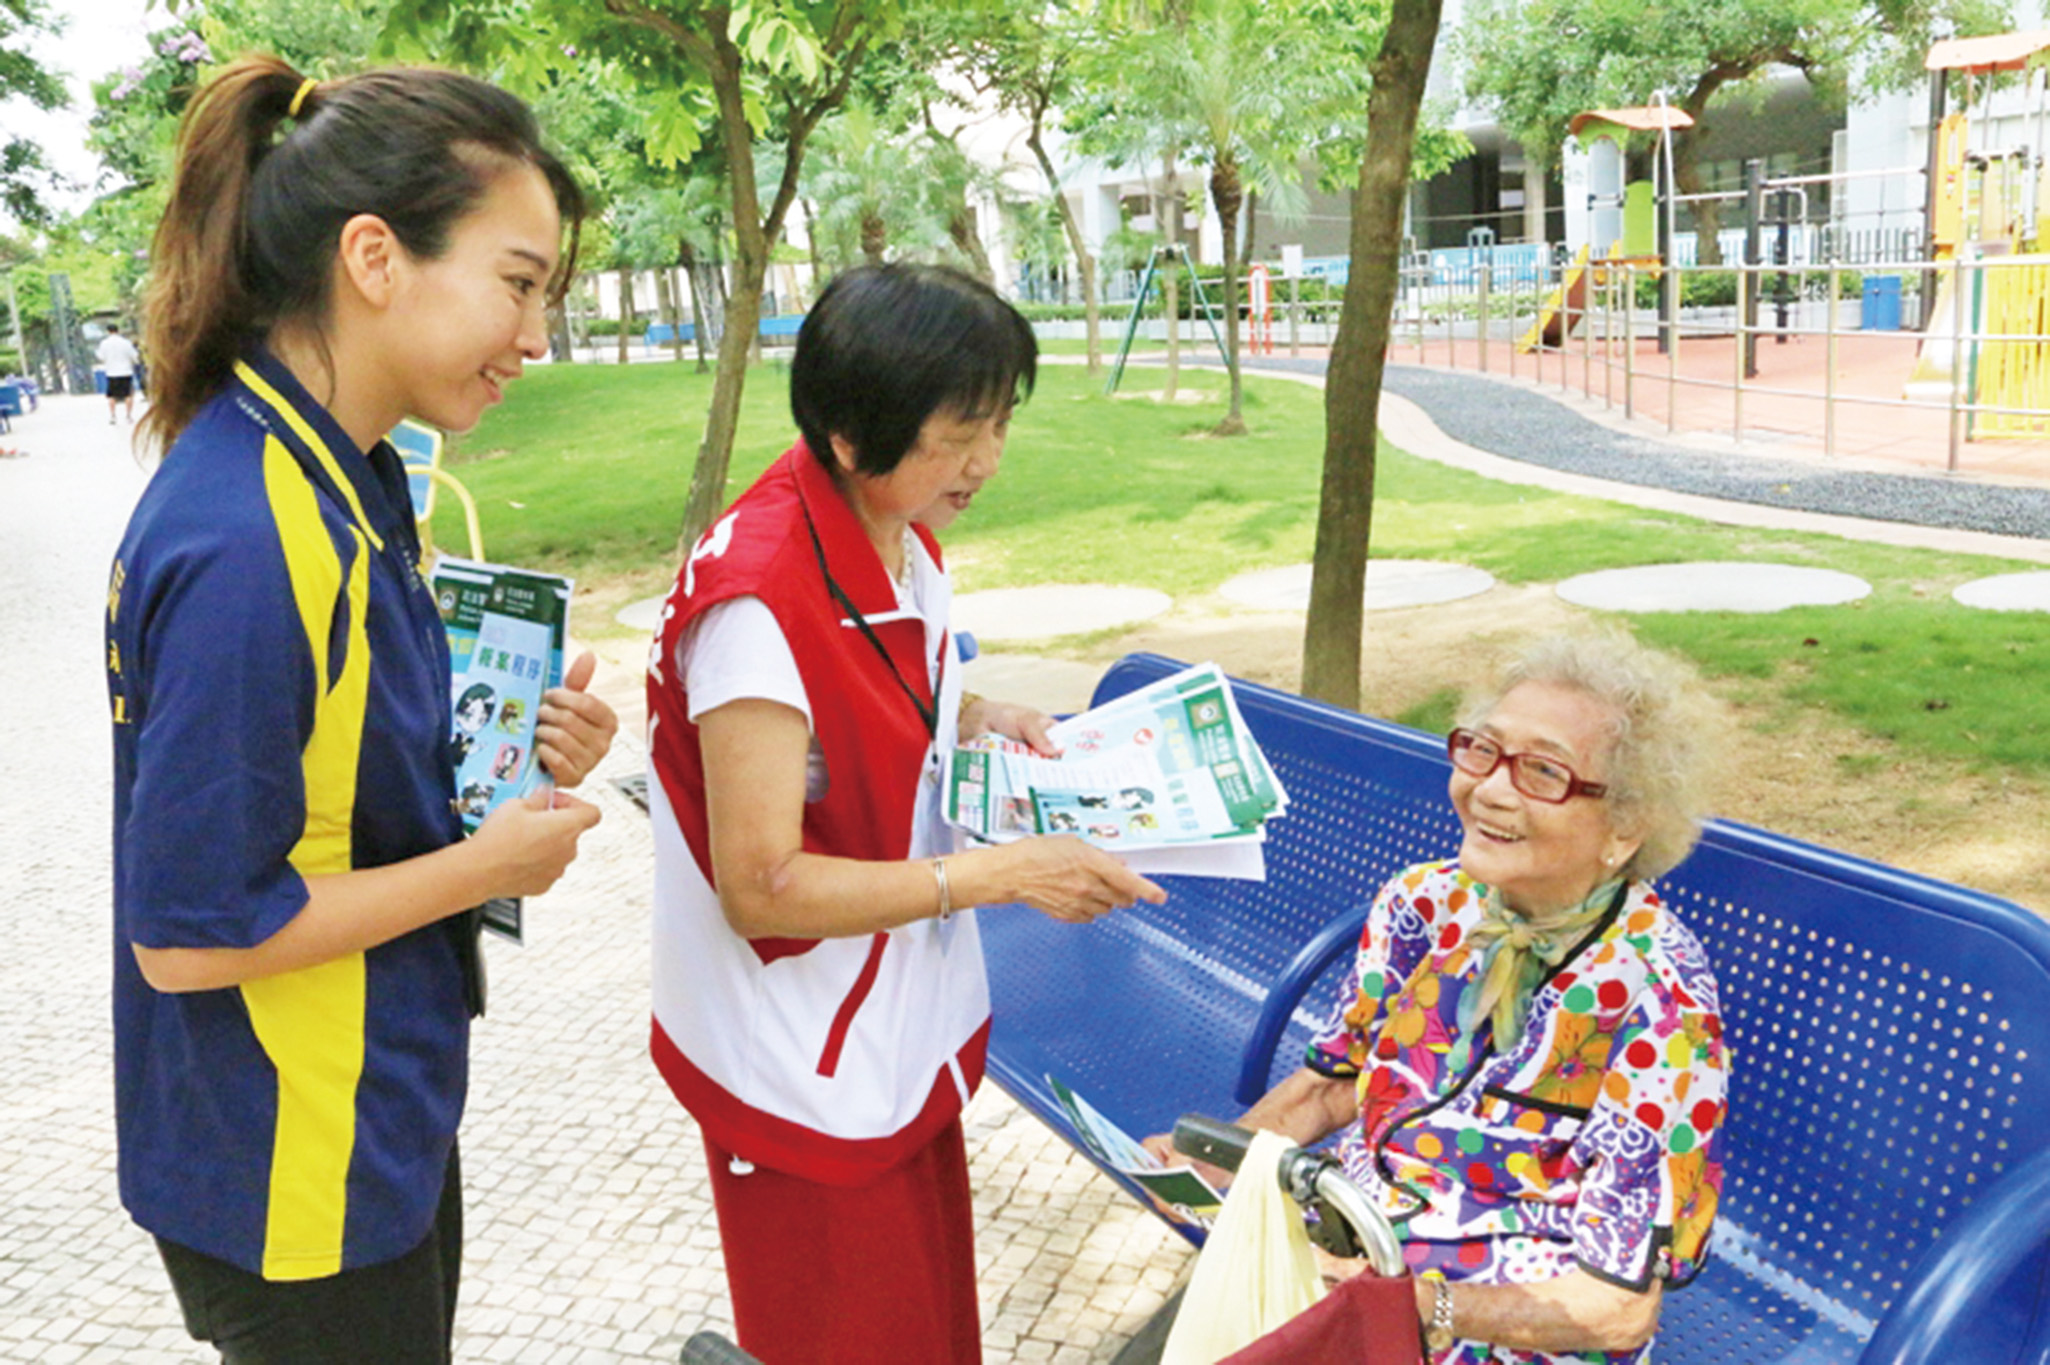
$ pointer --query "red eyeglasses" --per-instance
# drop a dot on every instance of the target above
(1538, 776)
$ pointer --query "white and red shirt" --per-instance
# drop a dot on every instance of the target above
(832, 1059)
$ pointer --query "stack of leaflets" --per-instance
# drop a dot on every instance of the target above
(1187, 1195)
(1167, 777)
(506, 633)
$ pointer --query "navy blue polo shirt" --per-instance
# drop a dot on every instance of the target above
(279, 682)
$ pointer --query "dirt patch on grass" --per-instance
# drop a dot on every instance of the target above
(1796, 771)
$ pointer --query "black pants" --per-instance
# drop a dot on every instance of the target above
(400, 1312)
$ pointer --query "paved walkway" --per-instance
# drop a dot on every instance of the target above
(591, 1236)
(1782, 412)
(1572, 427)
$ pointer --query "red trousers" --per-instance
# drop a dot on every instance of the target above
(832, 1275)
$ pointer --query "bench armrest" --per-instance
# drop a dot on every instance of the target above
(1975, 1256)
(1338, 937)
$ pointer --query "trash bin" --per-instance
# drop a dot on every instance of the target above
(1880, 310)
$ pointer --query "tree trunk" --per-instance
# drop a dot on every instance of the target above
(1708, 216)
(811, 239)
(665, 288)
(961, 231)
(626, 308)
(695, 277)
(1171, 289)
(1352, 386)
(1085, 264)
(1227, 193)
(715, 452)
(560, 348)
(875, 237)
(755, 232)
(1247, 255)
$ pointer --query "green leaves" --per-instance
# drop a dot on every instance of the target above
(1537, 64)
(776, 43)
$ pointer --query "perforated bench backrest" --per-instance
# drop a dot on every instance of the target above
(1892, 1041)
(1892, 1034)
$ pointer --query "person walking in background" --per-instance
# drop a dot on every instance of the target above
(295, 950)
(819, 998)
(118, 358)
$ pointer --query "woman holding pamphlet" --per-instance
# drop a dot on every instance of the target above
(296, 960)
(819, 999)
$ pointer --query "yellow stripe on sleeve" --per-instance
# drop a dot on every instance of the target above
(310, 1023)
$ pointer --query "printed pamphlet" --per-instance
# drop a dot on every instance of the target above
(1167, 777)
(1187, 1194)
(507, 629)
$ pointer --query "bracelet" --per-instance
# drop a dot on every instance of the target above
(968, 699)
(1438, 1335)
(939, 874)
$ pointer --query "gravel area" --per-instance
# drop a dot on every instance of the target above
(1509, 421)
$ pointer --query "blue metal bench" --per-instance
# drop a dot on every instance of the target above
(1887, 1195)
(782, 328)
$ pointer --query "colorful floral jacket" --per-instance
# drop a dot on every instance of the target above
(1592, 1144)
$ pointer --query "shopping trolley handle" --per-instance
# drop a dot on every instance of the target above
(1348, 1224)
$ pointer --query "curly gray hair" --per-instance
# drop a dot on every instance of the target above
(1665, 733)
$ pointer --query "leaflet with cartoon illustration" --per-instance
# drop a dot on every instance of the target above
(506, 633)
(1188, 1194)
(1168, 777)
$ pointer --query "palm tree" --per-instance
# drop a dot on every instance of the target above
(1247, 78)
(870, 185)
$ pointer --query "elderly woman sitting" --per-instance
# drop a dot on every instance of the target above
(1527, 1061)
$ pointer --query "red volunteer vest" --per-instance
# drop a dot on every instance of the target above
(838, 1030)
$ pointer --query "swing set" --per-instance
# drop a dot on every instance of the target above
(1171, 254)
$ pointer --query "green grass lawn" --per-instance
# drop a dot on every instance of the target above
(585, 470)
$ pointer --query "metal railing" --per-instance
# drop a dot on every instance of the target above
(1980, 358)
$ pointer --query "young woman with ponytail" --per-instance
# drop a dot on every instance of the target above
(295, 961)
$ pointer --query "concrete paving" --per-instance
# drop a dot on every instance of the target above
(2006, 592)
(1056, 686)
(1724, 586)
(590, 1232)
(1052, 610)
(1391, 584)
(643, 615)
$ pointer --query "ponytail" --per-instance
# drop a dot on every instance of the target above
(271, 166)
(197, 311)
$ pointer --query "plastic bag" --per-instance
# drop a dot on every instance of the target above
(1256, 1270)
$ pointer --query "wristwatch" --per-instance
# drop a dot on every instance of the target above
(1438, 1335)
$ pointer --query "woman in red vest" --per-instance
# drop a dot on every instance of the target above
(819, 999)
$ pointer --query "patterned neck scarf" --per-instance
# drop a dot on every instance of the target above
(1515, 951)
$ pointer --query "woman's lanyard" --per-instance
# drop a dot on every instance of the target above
(927, 712)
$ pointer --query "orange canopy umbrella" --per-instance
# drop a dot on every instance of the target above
(1995, 52)
(1649, 118)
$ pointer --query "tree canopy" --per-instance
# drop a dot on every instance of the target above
(1537, 63)
(25, 174)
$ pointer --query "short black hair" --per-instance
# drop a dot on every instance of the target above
(887, 346)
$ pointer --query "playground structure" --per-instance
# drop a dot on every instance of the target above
(1969, 283)
(1169, 256)
(1621, 215)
